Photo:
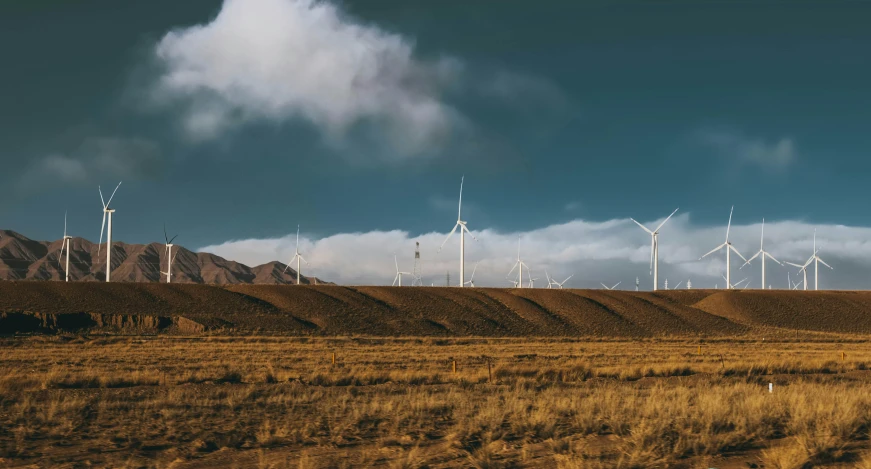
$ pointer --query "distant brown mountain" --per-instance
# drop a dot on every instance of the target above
(22, 258)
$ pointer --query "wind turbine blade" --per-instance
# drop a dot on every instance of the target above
(103, 202)
(713, 251)
(762, 237)
(748, 260)
(730, 223)
(604, 286)
(823, 263)
(65, 225)
(306, 262)
(297, 238)
(449, 237)
(395, 279)
(567, 279)
(618, 283)
(100, 244)
(113, 194)
(396, 262)
(792, 264)
(736, 252)
(512, 268)
(663, 222)
(165, 237)
(772, 258)
(470, 233)
(642, 226)
(460, 207)
(172, 239)
(678, 285)
(473, 272)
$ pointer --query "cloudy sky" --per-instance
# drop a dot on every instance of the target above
(233, 121)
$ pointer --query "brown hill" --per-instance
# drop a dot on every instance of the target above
(423, 311)
(22, 258)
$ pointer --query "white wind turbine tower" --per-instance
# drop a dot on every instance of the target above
(729, 248)
(762, 252)
(817, 261)
(549, 279)
(398, 273)
(463, 229)
(654, 248)
(560, 284)
(170, 259)
(107, 211)
(471, 281)
(65, 244)
(296, 257)
(520, 264)
(606, 286)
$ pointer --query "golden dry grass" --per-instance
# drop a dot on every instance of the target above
(281, 402)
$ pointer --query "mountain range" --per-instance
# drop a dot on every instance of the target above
(22, 258)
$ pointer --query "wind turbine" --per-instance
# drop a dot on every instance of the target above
(803, 269)
(65, 244)
(654, 248)
(297, 257)
(817, 261)
(549, 279)
(107, 211)
(520, 264)
(763, 253)
(729, 248)
(532, 282)
(792, 286)
(732, 286)
(471, 281)
(170, 259)
(398, 273)
(560, 284)
(610, 288)
(463, 229)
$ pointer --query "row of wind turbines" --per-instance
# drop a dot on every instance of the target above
(654, 256)
(168, 245)
(519, 265)
(107, 228)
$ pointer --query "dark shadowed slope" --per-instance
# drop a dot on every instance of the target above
(426, 311)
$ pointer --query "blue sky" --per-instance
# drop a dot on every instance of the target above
(237, 120)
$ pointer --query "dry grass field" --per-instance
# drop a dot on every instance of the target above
(273, 402)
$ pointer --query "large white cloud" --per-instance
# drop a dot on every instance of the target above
(609, 251)
(280, 59)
